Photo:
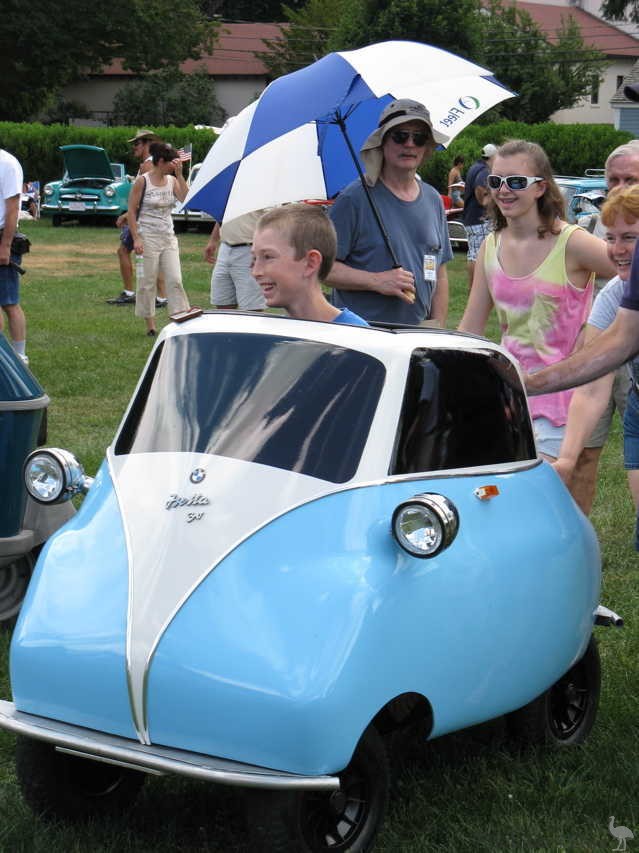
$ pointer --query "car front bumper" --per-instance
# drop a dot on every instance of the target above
(158, 760)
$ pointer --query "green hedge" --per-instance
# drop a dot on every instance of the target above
(572, 148)
(36, 145)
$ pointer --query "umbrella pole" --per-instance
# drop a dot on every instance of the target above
(342, 126)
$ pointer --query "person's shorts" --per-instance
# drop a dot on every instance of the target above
(232, 282)
(618, 398)
(10, 282)
(476, 236)
(457, 198)
(548, 437)
(631, 432)
(126, 239)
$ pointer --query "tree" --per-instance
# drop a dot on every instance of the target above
(454, 26)
(547, 76)
(46, 46)
(621, 10)
(168, 97)
(247, 10)
(306, 37)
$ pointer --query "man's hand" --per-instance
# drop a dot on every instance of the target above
(210, 252)
(565, 468)
(122, 220)
(397, 282)
(5, 255)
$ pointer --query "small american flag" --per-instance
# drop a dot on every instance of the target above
(185, 153)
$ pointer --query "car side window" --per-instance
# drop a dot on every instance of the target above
(461, 410)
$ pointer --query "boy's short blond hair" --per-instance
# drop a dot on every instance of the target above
(305, 227)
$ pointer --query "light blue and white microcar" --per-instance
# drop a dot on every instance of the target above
(303, 537)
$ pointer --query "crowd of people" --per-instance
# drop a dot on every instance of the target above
(382, 252)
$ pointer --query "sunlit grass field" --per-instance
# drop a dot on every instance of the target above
(460, 794)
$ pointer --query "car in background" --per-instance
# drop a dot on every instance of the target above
(183, 218)
(304, 538)
(91, 188)
(577, 191)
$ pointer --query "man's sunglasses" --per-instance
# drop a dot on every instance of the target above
(401, 137)
(513, 182)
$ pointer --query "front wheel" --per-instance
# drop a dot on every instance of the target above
(60, 785)
(318, 821)
(565, 713)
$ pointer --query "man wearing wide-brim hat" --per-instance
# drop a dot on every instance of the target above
(364, 277)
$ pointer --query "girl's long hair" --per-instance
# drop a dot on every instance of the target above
(551, 204)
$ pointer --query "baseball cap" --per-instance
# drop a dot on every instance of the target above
(397, 112)
(145, 135)
(489, 150)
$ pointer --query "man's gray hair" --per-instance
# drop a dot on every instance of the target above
(628, 149)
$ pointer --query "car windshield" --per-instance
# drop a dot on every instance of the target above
(299, 405)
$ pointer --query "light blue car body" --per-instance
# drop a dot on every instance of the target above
(311, 624)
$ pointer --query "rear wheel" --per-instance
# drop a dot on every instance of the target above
(318, 821)
(14, 580)
(56, 220)
(565, 713)
(60, 785)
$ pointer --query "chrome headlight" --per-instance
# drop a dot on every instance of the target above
(48, 190)
(53, 476)
(425, 524)
(109, 192)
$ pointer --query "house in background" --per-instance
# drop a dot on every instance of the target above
(240, 75)
(238, 72)
(627, 111)
(620, 48)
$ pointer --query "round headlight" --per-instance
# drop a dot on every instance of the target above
(109, 192)
(48, 190)
(54, 475)
(425, 524)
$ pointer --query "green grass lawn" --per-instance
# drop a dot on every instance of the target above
(467, 792)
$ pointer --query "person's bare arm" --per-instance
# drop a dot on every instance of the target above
(135, 196)
(611, 349)
(439, 306)
(210, 250)
(395, 282)
(11, 213)
(586, 254)
(180, 188)
(480, 302)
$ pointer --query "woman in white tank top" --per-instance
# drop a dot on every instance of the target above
(150, 203)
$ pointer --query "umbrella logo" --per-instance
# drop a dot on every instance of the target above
(466, 104)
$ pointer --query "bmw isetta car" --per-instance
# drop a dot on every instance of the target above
(304, 537)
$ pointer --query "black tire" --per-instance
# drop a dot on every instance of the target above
(56, 220)
(565, 713)
(14, 580)
(55, 784)
(318, 821)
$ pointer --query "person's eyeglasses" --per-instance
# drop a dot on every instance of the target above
(401, 137)
(513, 182)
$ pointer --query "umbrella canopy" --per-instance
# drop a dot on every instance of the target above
(290, 144)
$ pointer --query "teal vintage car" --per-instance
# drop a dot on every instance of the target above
(91, 187)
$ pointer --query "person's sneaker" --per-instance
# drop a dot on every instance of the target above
(25, 358)
(151, 333)
(160, 303)
(124, 298)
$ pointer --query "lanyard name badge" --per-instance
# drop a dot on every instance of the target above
(430, 268)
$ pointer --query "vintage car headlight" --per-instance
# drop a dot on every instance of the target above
(425, 524)
(109, 192)
(53, 476)
(48, 191)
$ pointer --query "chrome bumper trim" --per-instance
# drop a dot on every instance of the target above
(154, 759)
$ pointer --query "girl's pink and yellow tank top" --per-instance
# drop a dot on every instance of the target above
(540, 315)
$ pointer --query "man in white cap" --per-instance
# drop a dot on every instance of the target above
(364, 276)
(476, 197)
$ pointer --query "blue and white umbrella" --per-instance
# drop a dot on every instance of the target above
(293, 142)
